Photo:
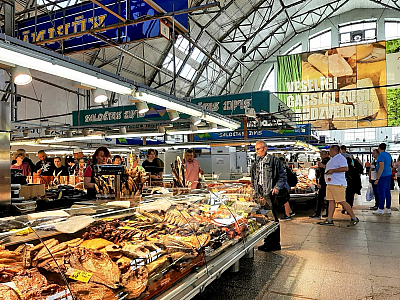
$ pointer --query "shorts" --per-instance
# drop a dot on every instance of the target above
(336, 192)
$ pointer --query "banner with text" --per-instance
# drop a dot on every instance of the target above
(343, 87)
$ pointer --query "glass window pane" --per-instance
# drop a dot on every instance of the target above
(347, 28)
(355, 27)
(345, 37)
(370, 34)
(195, 53)
(200, 57)
(370, 25)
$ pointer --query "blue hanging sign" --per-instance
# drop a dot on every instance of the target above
(82, 17)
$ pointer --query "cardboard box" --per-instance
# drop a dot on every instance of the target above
(32, 190)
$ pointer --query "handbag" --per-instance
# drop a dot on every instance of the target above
(369, 196)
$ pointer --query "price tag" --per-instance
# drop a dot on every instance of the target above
(184, 238)
(108, 219)
(214, 191)
(23, 231)
(81, 276)
(242, 199)
(127, 228)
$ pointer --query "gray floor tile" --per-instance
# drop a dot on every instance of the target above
(343, 286)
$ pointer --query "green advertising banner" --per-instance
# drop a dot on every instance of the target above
(235, 104)
(118, 115)
(343, 87)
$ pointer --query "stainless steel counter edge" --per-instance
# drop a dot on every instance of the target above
(197, 282)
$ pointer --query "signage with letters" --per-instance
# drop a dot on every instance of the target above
(85, 16)
(118, 115)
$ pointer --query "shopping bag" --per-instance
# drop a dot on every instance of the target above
(370, 193)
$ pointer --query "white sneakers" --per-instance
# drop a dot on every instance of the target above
(381, 211)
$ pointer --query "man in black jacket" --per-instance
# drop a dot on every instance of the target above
(268, 179)
(321, 184)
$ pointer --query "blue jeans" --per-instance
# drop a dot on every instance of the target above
(384, 191)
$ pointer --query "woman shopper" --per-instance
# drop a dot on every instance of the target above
(100, 157)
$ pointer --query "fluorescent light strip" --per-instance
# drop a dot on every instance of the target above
(37, 61)
(223, 122)
(128, 135)
(198, 131)
(169, 104)
(79, 138)
(190, 146)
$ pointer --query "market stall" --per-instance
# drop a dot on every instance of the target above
(137, 252)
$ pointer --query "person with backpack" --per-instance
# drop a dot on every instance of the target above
(291, 181)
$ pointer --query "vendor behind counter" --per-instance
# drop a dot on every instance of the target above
(100, 157)
(152, 166)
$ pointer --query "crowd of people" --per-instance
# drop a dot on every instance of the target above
(338, 177)
(79, 165)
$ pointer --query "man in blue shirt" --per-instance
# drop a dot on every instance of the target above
(383, 179)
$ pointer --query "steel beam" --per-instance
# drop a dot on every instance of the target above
(109, 10)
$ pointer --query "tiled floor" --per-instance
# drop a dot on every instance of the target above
(317, 262)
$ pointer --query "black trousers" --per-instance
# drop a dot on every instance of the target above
(274, 239)
(350, 196)
(320, 200)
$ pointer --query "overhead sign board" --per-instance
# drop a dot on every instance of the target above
(118, 115)
(235, 104)
(86, 16)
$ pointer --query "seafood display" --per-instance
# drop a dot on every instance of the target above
(134, 256)
(304, 184)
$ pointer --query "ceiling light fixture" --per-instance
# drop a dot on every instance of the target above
(35, 58)
(21, 75)
(169, 104)
(187, 131)
(134, 134)
(142, 107)
(195, 120)
(99, 95)
(173, 115)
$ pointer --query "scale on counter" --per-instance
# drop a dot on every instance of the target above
(116, 170)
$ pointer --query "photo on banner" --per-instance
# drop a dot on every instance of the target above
(330, 96)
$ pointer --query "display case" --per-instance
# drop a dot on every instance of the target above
(125, 250)
(305, 188)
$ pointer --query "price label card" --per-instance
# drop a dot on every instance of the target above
(81, 276)
(23, 231)
(242, 199)
(127, 228)
(108, 219)
(214, 191)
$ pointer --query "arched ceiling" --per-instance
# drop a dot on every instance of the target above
(261, 27)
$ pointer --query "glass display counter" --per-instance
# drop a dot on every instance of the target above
(126, 250)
